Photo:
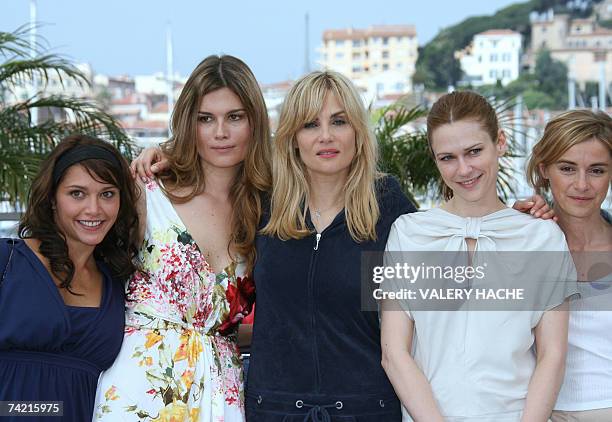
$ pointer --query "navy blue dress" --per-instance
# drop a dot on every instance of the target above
(50, 351)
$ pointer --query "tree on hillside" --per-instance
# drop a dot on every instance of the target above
(551, 75)
(23, 142)
(437, 67)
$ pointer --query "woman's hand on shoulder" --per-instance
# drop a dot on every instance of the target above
(150, 161)
(536, 206)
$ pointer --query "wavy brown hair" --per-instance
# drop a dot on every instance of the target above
(253, 178)
(119, 246)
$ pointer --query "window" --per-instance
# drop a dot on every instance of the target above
(479, 59)
(506, 57)
(506, 73)
(399, 86)
(385, 66)
(385, 40)
(339, 43)
(493, 43)
(385, 54)
(399, 65)
(356, 69)
(356, 43)
(339, 55)
(356, 56)
(493, 57)
(493, 74)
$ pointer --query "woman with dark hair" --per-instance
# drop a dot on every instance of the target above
(61, 286)
(179, 359)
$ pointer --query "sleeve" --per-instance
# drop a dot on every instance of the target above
(558, 276)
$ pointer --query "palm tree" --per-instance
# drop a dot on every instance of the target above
(24, 142)
(405, 154)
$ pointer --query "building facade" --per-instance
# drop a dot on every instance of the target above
(583, 45)
(365, 54)
(492, 56)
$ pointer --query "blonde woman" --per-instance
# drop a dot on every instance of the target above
(179, 359)
(315, 355)
(573, 161)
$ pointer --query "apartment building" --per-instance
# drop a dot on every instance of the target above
(583, 45)
(381, 58)
(493, 55)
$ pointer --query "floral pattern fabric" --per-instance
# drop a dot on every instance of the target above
(179, 359)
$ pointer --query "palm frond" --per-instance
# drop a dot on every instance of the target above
(23, 71)
(24, 143)
(407, 156)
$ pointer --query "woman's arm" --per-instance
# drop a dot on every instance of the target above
(551, 346)
(408, 380)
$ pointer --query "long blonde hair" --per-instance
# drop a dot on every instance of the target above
(563, 132)
(291, 189)
(254, 175)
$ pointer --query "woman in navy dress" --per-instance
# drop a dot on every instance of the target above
(61, 285)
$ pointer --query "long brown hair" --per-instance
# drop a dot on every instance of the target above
(461, 105)
(119, 246)
(254, 175)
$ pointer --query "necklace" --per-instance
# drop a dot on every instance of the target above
(318, 212)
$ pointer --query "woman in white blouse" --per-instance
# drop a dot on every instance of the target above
(573, 161)
(476, 365)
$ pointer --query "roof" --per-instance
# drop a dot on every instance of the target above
(145, 124)
(160, 108)
(283, 85)
(598, 32)
(581, 21)
(372, 31)
(499, 32)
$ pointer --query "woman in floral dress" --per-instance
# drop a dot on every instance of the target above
(179, 360)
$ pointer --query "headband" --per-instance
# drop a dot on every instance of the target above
(81, 153)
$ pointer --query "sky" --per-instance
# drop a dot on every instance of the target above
(128, 36)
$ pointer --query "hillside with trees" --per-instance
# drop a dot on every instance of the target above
(437, 67)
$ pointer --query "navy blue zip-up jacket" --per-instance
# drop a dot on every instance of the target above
(310, 336)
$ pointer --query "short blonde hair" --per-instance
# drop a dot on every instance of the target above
(563, 132)
(290, 185)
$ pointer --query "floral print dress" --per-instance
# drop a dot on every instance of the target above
(179, 360)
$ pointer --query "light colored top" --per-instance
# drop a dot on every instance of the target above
(479, 363)
(588, 372)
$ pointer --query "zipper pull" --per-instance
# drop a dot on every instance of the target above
(316, 248)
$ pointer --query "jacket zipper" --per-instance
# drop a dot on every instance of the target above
(313, 321)
(312, 305)
(316, 248)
